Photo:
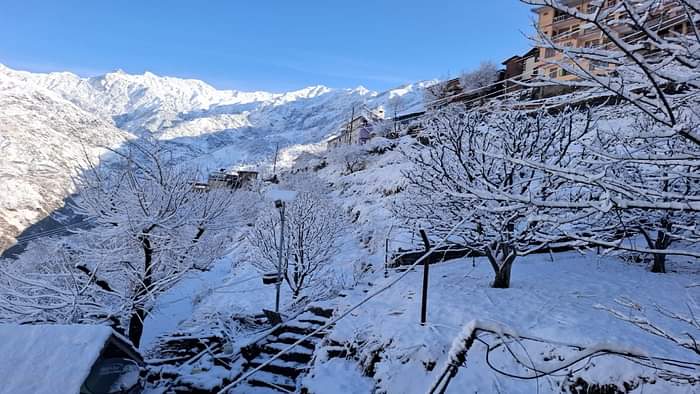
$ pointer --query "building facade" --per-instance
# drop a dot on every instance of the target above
(564, 30)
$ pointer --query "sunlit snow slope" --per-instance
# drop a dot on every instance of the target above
(47, 118)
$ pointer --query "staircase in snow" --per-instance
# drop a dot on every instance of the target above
(281, 374)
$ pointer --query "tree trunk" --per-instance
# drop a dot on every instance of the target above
(659, 265)
(138, 316)
(501, 257)
(662, 241)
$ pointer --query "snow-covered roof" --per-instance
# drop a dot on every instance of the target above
(48, 358)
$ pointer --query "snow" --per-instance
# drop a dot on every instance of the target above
(340, 374)
(46, 117)
(548, 299)
(552, 298)
(44, 140)
(280, 195)
(48, 358)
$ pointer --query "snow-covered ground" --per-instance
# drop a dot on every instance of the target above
(552, 297)
(554, 300)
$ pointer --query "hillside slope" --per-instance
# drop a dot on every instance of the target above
(48, 114)
(43, 138)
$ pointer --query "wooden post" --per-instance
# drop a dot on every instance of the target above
(426, 269)
(280, 206)
(386, 258)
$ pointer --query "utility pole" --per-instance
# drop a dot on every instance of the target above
(274, 164)
(279, 204)
(349, 128)
(426, 269)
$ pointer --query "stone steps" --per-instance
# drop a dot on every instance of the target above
(281, 373)
(291, 369)
(272, 380)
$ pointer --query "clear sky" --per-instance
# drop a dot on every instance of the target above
(273, 45)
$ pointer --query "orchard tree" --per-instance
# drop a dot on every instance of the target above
(313, 227)
(352, 157)
(46, 284)
(466, 171)
(486, 74)
(644, 176)
(151, 227)
(654, 68)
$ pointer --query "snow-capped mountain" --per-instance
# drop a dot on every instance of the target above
(48, 114)
(43, 140)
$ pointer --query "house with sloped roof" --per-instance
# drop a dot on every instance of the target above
(74, 358)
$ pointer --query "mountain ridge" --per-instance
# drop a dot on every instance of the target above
(209, 127)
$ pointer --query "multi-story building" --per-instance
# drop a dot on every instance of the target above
(566, 31)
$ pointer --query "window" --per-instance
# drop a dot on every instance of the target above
(549, 52)
(553, 73)
(590, 44)
(597, 65)
(564, 73)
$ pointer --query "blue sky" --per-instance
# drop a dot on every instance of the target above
(264, 44)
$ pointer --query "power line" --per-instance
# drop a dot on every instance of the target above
(57, 230)
(344, 314)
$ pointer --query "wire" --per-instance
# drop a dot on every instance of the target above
(343, 315)
(57, 230)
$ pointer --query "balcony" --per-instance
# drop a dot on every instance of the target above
(561, 18)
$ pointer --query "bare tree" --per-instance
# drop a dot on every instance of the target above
(352, 157)
(313, 226)
(437, 91)
(641, 57)
(396, 104)
(486, 74)
(151, 227)
(467, 171)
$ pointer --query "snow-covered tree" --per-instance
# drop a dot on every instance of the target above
(641, 175)
(486, 74)
(352, 157)
(46, 284)
(467, 171)
(313, 226)
(151, 227)
(641, 57)
(658, 171)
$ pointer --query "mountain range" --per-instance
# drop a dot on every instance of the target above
(53, 123)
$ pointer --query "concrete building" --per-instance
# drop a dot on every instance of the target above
(566, 31)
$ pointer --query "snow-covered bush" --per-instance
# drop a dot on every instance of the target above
(352, 157)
